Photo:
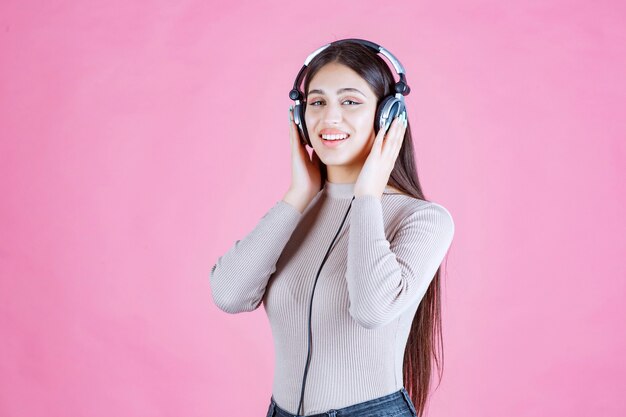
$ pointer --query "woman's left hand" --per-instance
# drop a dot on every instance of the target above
(377, 168)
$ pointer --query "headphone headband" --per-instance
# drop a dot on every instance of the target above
(401, 86)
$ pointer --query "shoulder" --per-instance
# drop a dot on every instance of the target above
(432, 208)
(407, 204)
(428, 216)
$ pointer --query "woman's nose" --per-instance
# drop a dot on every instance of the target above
(332, 114)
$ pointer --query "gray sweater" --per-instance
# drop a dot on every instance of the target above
(365, 298)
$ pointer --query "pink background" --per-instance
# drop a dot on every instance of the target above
(138, 140)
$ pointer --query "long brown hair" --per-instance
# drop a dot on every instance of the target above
(427, 320)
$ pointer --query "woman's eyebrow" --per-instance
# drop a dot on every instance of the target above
(341, 90)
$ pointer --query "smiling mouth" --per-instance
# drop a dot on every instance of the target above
(334, 138)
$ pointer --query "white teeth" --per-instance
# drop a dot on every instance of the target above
(334, 137)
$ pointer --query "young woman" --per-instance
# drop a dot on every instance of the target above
(347, 264)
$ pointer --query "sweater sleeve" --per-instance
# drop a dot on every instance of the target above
(239, 277)
(384, 278)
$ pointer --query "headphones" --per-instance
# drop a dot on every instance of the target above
(390, 106)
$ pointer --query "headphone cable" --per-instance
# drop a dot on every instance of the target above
(308, 359)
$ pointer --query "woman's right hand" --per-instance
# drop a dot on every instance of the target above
(306, 178)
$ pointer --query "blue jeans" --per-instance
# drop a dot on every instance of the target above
(396, 404)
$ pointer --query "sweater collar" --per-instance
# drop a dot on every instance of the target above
(344, 189)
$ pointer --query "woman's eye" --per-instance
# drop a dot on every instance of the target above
(313, 103)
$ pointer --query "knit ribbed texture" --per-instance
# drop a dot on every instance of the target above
(366, 296)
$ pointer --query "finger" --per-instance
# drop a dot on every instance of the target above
(401, 136)
(378, 140)
(399, 123)
(395, 135)
(293, 128)
(398, 144)
(389, 135)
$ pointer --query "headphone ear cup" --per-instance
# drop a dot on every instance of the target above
(384, 109)
(298, 114)
(390, 106)
(378, 119)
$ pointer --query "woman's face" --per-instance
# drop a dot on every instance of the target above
(351, 111)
